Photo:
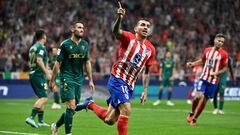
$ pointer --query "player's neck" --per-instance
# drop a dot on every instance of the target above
(140, 38)
(216, 48)
(41, 42)
(76, 40)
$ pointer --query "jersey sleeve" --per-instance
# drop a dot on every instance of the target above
(125, 38)
(87, 53)
(225, 59)
(40, 52)
(152, 57)
(60, 52)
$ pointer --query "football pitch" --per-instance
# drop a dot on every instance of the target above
(144, 120)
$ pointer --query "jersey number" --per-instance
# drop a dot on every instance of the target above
(32, 58)
(125, 91)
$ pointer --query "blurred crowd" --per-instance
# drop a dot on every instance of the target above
(183, 27)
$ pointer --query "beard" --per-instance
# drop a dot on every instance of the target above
(78, 36)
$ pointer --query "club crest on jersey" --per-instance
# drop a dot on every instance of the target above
(70, 47)
(147, 51)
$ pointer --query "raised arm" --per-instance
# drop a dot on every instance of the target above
(117, 31)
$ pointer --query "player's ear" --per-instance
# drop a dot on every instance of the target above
(135, 29)
(72, 29)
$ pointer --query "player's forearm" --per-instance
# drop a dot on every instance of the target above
(160, 73)
(174, 72)
(146, 78)
(117, 27)
(55, 69)
(231, 71)
(89, 71)
(224, 69)
(198, 62)
(42, 66)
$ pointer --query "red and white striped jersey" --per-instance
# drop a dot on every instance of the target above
(133, 55)
(214, 61)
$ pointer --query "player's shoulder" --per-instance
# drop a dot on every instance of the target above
(65, 42)
(150, 45)
(223, 52)
(84, 42)
(128, 33)
(208, 48)
(38, 46)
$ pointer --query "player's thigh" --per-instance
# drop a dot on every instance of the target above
(210, 90)
(39, 85)
(166, 82)
(201, 88)
(120, 92)
(112, 114)
(78, 89)
(125, 109)
(67, 90)
(71, 103)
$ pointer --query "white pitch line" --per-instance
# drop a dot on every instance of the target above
(179, 110)
(18, 133)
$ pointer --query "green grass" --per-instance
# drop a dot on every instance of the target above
(144, 120)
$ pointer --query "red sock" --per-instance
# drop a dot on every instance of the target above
(190, 94)
(100, 112)
(200, 109)
(194, 104)
(122, 125)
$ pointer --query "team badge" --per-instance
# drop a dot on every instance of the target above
(147, 51)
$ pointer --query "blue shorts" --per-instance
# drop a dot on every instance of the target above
(119, 90)
(195, 84)
(208, 89)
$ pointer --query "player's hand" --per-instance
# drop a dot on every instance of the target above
(120, 11)
(48, 76)
(214, 73)
(52, 85)
(92, 87)
(189, 64)
(171, 78)
(143, 97)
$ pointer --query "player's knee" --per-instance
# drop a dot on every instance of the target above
(125, 111)
(43, 100)
(109, 121)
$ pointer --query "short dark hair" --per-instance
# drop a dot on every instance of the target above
(75, 22)
(220, 35)
(39, 34)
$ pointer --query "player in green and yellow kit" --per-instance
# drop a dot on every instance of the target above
(221, 87)
(38, 77)
(166, 75)
(56, 94)
(72, 56)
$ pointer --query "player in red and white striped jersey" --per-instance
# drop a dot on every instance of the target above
(133, 56)
(135, 53)
(215, 61)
